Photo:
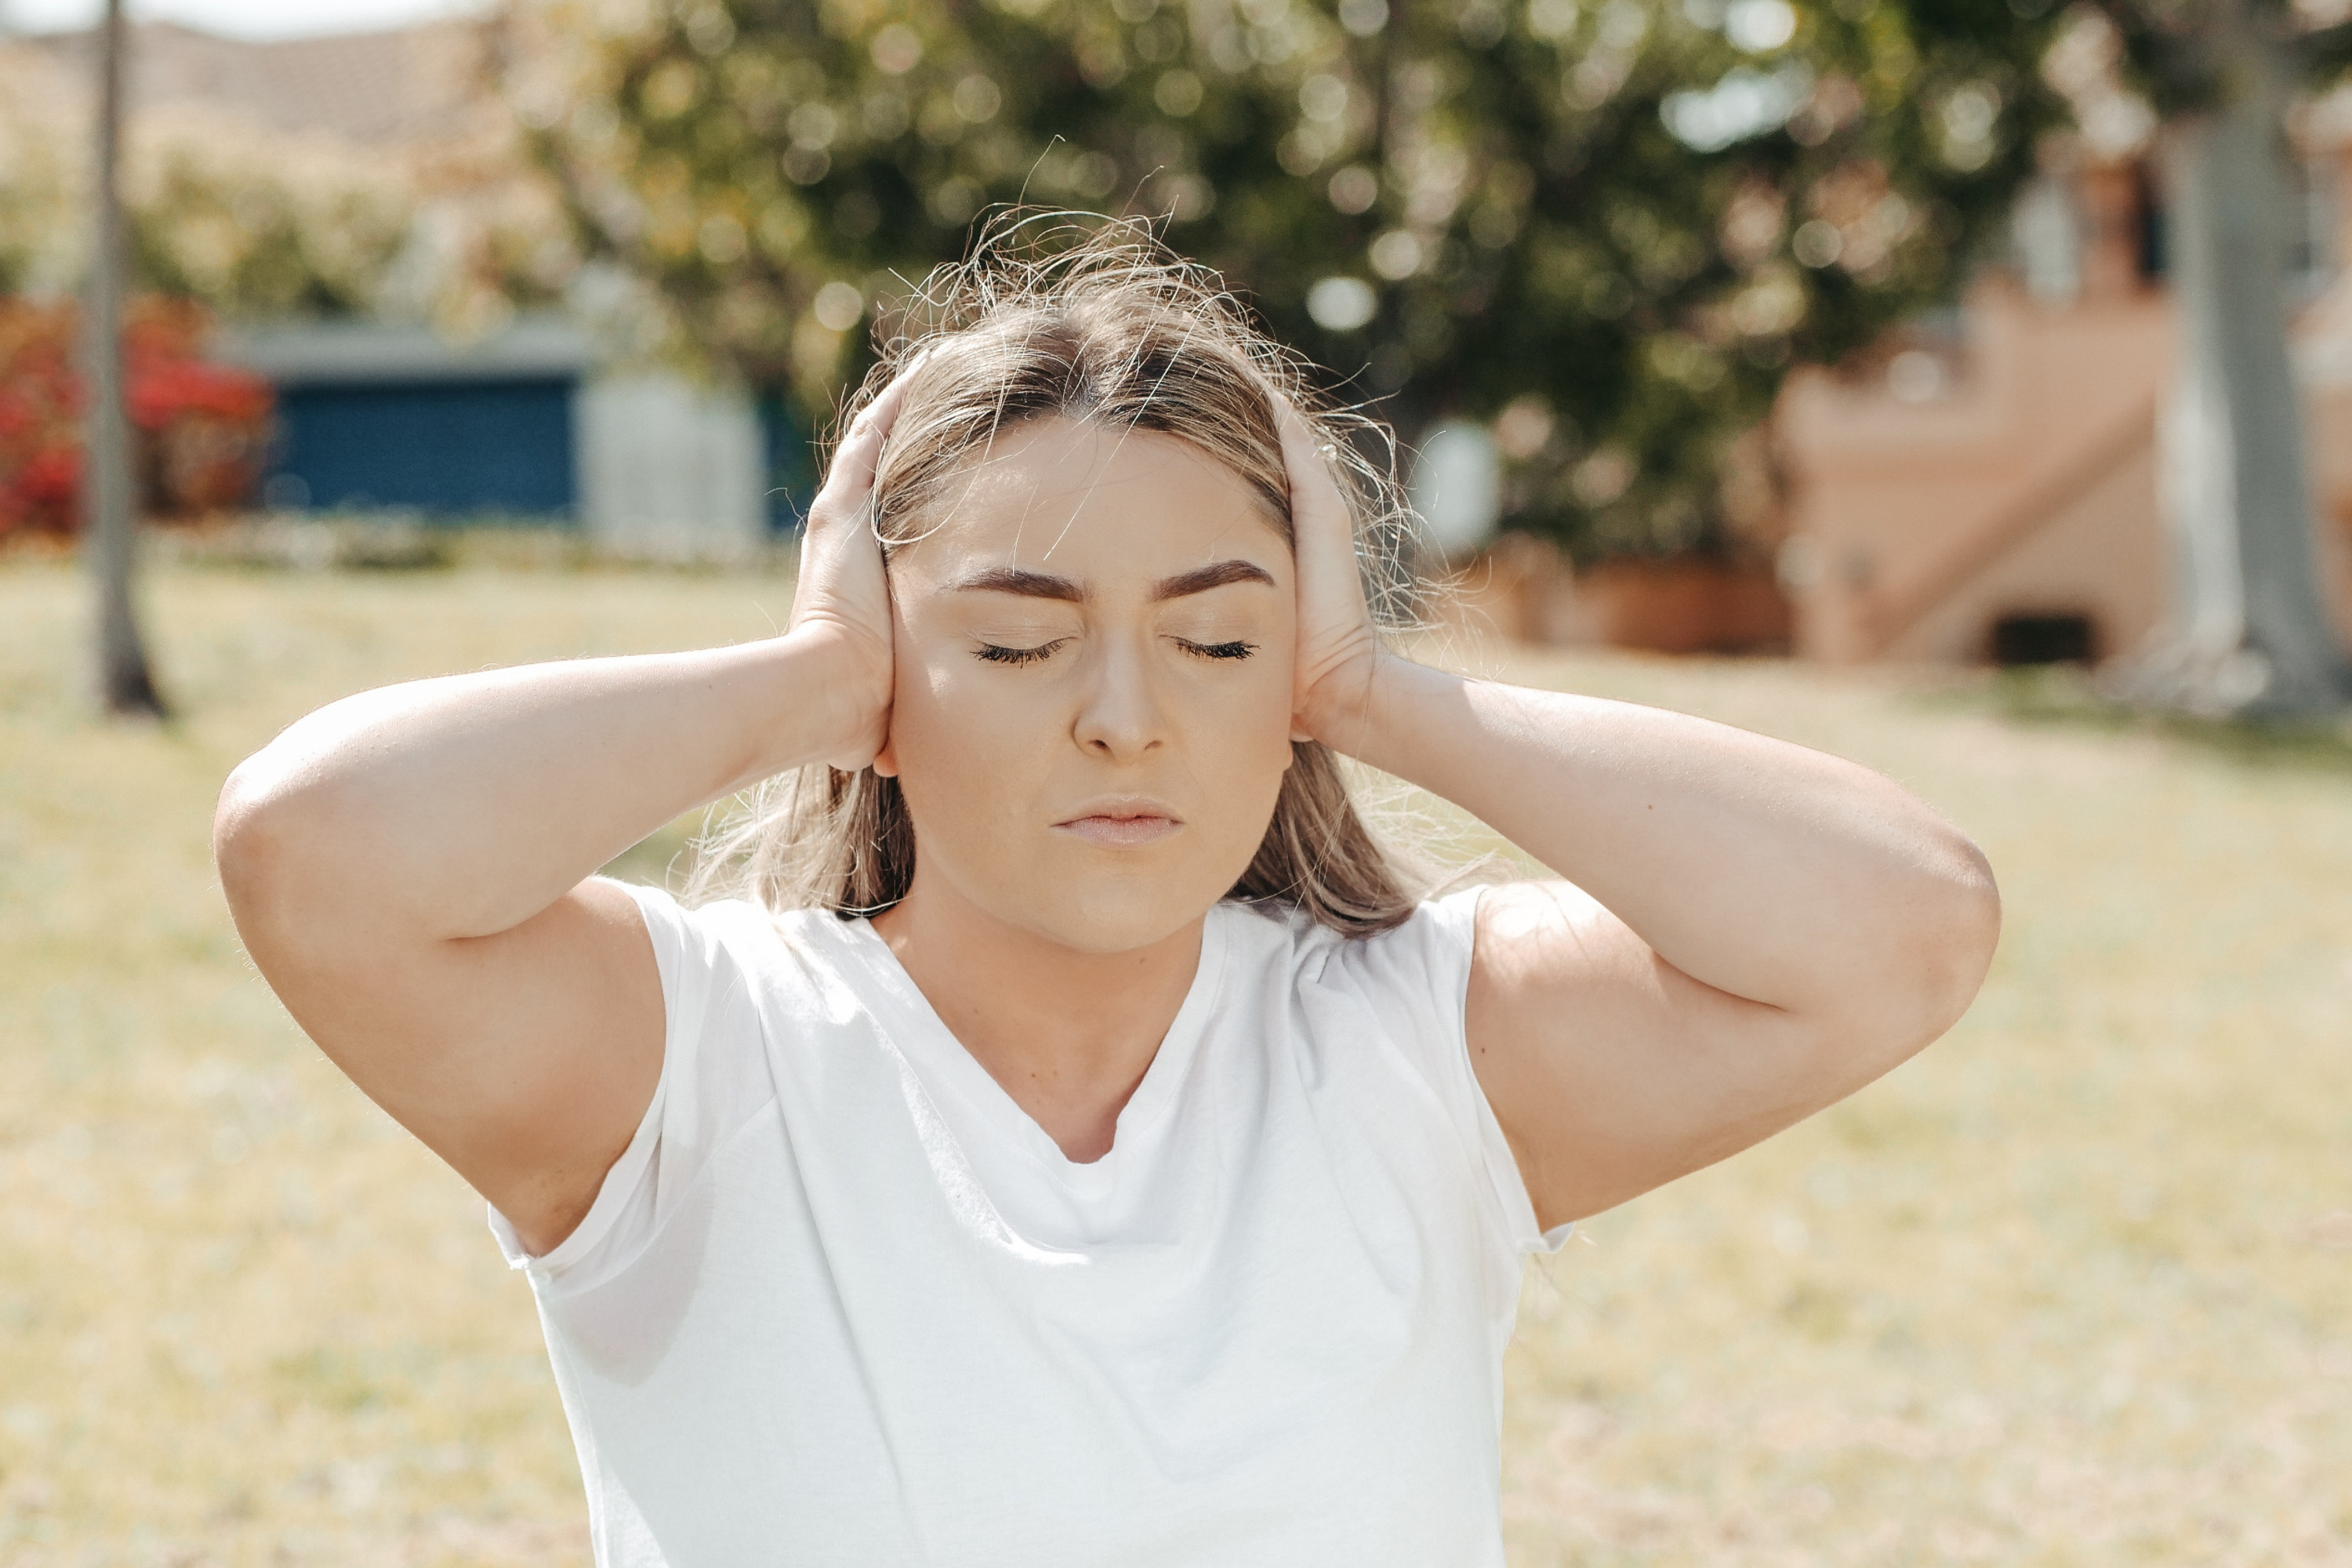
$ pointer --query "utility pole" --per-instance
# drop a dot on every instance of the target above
(126, 686)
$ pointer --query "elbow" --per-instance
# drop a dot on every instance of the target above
(246, 840)
(258, 831)
(1927, 949)
(1951, 948)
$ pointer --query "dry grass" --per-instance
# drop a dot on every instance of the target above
(2073, 1288)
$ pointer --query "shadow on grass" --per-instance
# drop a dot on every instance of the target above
(2060, 697)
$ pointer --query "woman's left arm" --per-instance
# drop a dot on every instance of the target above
(1748, 931)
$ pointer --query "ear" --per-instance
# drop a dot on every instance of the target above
(886, 762)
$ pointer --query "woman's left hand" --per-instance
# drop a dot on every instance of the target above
(1339, 649)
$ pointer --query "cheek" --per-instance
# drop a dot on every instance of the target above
(1242, 728)
(1235, 738)
(976, 754)
(949, 721)
(1252, 757)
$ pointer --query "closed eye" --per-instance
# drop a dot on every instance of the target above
(997, 654)
(1217, 650)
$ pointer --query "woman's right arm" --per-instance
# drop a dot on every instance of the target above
(409, 866)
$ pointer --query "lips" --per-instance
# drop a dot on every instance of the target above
(1122, 825)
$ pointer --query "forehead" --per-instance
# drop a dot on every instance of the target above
(1082, 499)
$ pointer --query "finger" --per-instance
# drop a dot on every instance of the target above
(1315, 501)
(1306, 459)
(860, 453)
(841, 569)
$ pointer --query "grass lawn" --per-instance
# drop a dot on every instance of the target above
(2074, 1286)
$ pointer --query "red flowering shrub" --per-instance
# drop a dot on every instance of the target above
(40, 418)
(201, 430)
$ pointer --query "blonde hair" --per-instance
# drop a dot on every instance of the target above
(1088, 318)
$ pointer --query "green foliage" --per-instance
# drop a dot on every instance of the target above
(252, 239)
(2190, 55)
(1610, 228)
(448, 224)
(217, 210)
(37, 210)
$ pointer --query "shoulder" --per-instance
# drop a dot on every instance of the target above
(1384, 1019)
(1439, 932)
(735, 931)
(1415, 972)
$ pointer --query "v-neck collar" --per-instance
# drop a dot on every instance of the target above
(935, 1050)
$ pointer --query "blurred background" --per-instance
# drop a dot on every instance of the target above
(1962, 385)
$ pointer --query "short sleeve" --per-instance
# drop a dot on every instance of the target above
(1420, 972)
(714, 1079)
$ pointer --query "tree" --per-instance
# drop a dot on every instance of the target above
(126, 686)
(2250, 632)
(1608, 228)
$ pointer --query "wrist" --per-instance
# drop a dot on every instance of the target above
(814, 698)
(844, 679)
(1340, 709)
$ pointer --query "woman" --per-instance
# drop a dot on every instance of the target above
(1079, 1147)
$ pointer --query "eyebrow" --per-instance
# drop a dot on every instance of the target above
(1201, 579)
(1046, 585)
(1021, 580)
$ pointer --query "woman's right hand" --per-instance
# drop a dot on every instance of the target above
(842, 599)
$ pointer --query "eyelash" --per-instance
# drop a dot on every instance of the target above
(1218, 649)
(997, 654)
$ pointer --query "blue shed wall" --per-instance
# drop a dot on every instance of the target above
(451, 447)
(792, 464)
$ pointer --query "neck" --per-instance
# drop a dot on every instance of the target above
(1067, 1034)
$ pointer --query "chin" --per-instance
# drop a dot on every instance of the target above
(1090, 911)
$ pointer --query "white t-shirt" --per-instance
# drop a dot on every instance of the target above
(842, 1302)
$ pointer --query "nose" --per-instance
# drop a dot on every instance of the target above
(1119, 718)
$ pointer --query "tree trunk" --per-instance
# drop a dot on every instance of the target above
(2249, 633)
(125, 684)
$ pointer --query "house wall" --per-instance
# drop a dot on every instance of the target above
(2104, 557)
(671, 468)
(2332, 459)
(526, 422)
(460, 447)
(2324, 362)
(2032, 482)
(1916, 524)
(374, 414)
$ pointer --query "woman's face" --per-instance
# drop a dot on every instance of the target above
(1093, 709)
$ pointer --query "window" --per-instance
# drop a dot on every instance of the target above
(2044, 638)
